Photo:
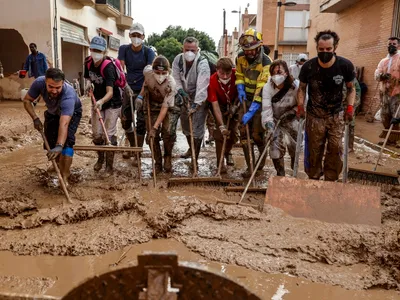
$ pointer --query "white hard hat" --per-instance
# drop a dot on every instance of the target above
(302, 56)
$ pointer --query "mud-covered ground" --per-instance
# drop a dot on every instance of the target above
(112, 212)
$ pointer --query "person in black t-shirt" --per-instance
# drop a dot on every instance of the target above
(325, 76)
(102, 74)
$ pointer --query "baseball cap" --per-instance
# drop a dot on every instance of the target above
(98, 43)
(137, 27)
(302, 57)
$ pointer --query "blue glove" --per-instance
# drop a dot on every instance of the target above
(53, 153)
(252, 111)
(269, 126)
(241, 93)
(182, 93)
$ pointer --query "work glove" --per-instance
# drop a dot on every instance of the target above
(269, 126)
(193, 109)
(395, 121)
(241, 92)
(139, 103)
(1, 76)
(224, 130)
(252, 111)
(38, 124)
(99, 104)
(349, 115)
(301, 114)
(53, 153)
(182, 93)
(384, 76)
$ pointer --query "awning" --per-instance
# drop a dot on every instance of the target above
(72, 33)
(105, 31)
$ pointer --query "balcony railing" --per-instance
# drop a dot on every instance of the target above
(114, 3)
(110, 8)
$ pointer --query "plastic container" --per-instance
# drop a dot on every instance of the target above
(22, 73)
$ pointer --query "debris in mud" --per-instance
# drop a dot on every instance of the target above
(3, 139)
(16, 284)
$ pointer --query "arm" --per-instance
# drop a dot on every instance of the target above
(31, 95)
(217, 113)
(121, 56)
(203, 80)
(110, 77)
(45, 65)
(63, 129)
(176, 72)
(267, 113)
(301, 93)
(379, 70)
(351, 93)
(261, 81)
(239, 73)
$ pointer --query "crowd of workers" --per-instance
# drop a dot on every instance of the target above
(247, 101)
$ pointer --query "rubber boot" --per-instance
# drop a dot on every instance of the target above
(197, 147)
(110, 162)
(229, 159)
(247, 173)
(130, 136)
(351, 138)
(292, 162)
(262, 164)
(100, 161)
(157, 156)
(167, 164)
(168, 146)
(140, 141)
(188, 153)
(218, 149)
(65, 167)
(279, 165)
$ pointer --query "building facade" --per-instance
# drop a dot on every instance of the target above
(293, 27)
(62, 30)
(364, 28)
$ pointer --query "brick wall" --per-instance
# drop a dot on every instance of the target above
(363, 30)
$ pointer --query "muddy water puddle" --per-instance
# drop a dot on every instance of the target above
(55, 276)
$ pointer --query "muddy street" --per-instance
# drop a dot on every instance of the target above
(48, 246)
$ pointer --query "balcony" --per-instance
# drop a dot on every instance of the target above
(124, 22)
(87, 2)
(336, 6)
(294, 36)
(111, 8)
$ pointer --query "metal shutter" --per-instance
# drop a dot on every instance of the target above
(72, 33)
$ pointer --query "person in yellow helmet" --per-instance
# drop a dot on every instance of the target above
(252, 73)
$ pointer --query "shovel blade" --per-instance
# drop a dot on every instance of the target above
(326, 201)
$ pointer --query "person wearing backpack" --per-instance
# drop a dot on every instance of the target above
(192, 76)
(279, 97)
(101, 71)
(252, 73)
(134, 57)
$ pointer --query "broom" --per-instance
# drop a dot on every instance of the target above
(373, 177)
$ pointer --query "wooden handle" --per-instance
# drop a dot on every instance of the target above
(138, 156)
(221, 158)
(151, 143)
(60, 178)
(248, 142)
(100, 118)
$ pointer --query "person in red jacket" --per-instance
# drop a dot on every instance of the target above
(222, 95)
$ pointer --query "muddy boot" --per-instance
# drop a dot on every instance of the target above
(197, 148)
(140, 141)
(351, 139)
(167, 164)
(229, 159)
(262, 164)
(247, 173)
(279, 165)
(130, 136)
(292, 162)
(65, 167)
(110, 162)
(188, 153)
(100, 161)
(157, 156)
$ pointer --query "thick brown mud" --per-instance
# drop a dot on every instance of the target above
(111, 213)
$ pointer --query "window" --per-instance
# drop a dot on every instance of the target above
(290, 58)
(302, 1)
(295, 25)
(128, 7)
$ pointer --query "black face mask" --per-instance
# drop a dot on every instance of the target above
(325, 57)
(392, 49)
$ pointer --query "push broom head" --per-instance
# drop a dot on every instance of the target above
(385, 180)
(203, 181)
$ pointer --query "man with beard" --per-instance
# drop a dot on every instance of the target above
(325, 76)
(61, 119)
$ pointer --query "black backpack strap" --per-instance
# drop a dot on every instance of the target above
(279, 95)
(265, 60)
(146, 54)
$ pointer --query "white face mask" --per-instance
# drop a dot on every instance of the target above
(160, 78)
(278, 79)
(224, 81)
(96, 56)
(189, 56)
(136, 41)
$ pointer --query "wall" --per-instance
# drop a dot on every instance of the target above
(34, 25)
(72, 58)
(363, 30)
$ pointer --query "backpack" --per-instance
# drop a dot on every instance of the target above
(211, 58)
(121, 78)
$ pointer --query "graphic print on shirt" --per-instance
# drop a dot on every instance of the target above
(95, 78)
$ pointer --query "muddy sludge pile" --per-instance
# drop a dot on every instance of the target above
(355, 257)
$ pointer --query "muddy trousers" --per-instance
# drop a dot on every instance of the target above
(388, 111)
(210, 125)
(167, 132)
(318, 133)
(284, 136)
(231, 138)
(257, 134)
